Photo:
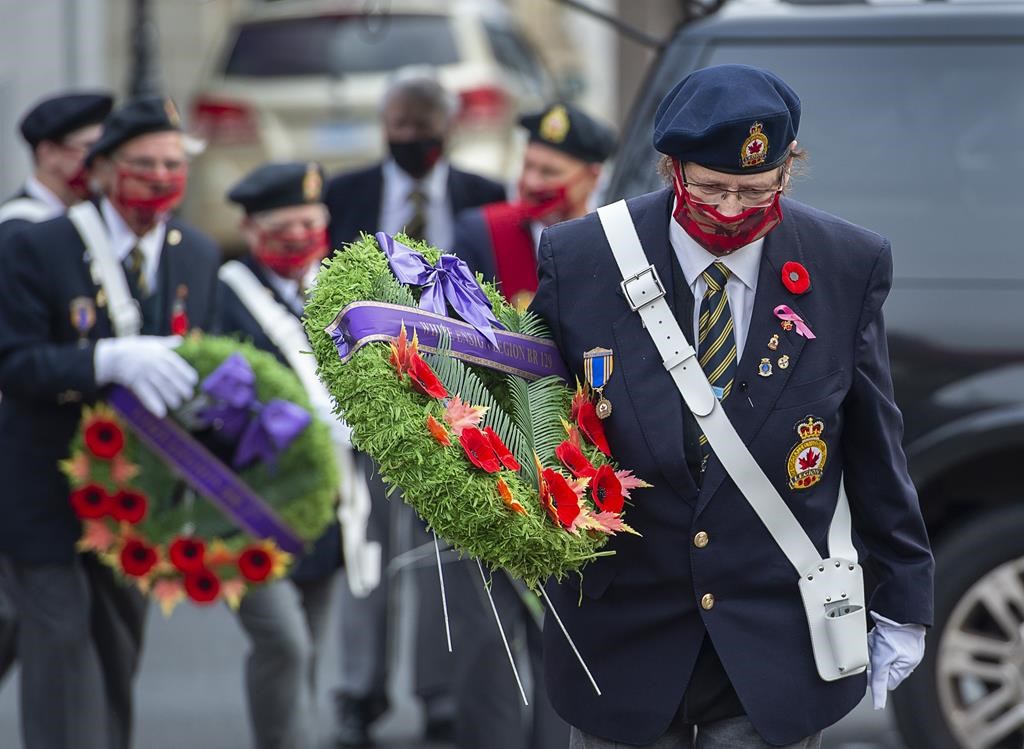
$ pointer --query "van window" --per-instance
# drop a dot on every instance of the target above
(338, 45)
(916, 139)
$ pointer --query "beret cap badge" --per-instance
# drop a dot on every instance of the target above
(312, 184)
(754, 150)
(172, 112)
(554, 127)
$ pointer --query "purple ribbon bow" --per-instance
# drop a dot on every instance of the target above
(261, 431)
(448, 282)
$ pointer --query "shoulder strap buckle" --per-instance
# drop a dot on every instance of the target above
(642, 289)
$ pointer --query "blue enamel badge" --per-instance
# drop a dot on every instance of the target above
(598, 364)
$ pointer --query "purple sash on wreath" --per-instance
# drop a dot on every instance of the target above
(204, 472)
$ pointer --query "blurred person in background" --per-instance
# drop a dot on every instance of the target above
(561, 169)
(59, 130)
(262, 296)
(80, 630)
(417, 191)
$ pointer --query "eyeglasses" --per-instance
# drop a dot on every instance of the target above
(147, 165)
(716, 194)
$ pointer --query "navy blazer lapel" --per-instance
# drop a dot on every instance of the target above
(748, 407)
(656, 401)
(457, 193)
(173, 275)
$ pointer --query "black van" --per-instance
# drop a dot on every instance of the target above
(913, 119)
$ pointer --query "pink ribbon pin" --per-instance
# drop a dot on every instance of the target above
(783, 312)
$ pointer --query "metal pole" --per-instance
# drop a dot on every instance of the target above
(145, 80)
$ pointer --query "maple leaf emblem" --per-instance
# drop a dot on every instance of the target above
(809, 460)
(754, 147)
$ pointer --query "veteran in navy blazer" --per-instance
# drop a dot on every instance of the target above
(699, 622)
(79, 627)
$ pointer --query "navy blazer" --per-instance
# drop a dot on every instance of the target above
(640, 623)
(235, 320)
(46, 368)
(354, 199)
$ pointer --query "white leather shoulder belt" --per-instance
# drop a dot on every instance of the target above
(832, 589)
(26, 209)
(107, 271)
(285, 331)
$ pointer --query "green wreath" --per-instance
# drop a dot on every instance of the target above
(512, 472)
(144, 521)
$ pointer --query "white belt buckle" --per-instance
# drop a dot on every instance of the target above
(642, 289)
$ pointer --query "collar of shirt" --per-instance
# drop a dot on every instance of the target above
(123, 239)
(744, 266)
(38, 191)
(397, 209)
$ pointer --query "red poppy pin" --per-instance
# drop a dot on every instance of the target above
(795, 278)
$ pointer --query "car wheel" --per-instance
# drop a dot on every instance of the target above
(968, 692)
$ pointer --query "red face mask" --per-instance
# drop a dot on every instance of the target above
(165, 198)
(78, 183)
(536, 206)
(719, 234)
(290, 257)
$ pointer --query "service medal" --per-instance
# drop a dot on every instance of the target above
(597, 368)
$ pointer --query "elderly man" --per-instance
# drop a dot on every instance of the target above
(59, 130)
(561, 169)
(699, 627)
(262, 296)
(61, 341)
(417, 191)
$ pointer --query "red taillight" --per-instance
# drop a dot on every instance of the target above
(224, 122)
(484, 104)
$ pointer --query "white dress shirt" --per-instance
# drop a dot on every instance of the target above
(123, 239)
(292, 291)
(40, 192)
(397, 210)
(744, 264)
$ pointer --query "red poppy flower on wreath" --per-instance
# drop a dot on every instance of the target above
(137, 558)
(187, 554)
(129, 505)
(202, 586)
(591, 426)
(795, 277)
(573, 458)
(567, 504)
(504, 454)
(255, 564)
(607, 490)
(479, 451)
(91, 502)
(103, 438)
(423, 378)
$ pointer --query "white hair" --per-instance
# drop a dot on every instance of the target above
(421, 83)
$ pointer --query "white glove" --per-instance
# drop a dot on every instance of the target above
(895, 649)
(148, 367)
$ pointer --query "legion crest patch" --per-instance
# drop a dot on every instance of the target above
(754, 150)
(806, 462)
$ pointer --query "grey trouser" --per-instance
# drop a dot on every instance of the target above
(490, 709)
(8, 631)
(78, 641)
(731, 733)
(285, 622)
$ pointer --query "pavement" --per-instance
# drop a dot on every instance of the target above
(190, 692)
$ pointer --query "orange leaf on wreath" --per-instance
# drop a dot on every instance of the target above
(438, 432)
(233, 590)
(123, 470)
(460, 415)
(77, 468)
(508, 499)
(628, 482)
(401, 351)
(168, 592)
(96, 536)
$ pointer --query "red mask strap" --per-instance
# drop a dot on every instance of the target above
(291, 257)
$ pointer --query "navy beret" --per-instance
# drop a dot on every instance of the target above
(57, 116)
(148, 114)
(570, 130)
(279, 185)
(730, 118)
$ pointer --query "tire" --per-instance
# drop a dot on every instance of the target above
(981, 658)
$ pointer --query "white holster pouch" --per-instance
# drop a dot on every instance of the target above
(832, 589)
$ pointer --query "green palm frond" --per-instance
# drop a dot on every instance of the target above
(387, 289)
(526, 323)
(460, 380)
(537, 411)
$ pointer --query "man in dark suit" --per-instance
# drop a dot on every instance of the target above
(417, 191)
(79, 628)
(699, 624)
(561, 169)
(59, 130)
(285, 228)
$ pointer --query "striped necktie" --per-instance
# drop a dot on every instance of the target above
(716, 344)
(134, 266)
(417, 226)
